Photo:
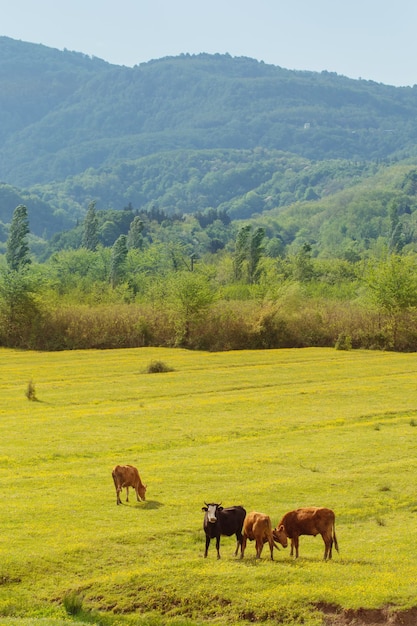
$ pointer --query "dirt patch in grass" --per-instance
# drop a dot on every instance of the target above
(335, 616)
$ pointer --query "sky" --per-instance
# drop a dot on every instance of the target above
(368, 39)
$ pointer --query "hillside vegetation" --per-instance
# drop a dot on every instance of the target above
(86, 113)
(271, 430)
(184, 134)
(206, 202)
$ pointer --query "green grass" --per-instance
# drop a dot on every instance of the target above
(272, 430)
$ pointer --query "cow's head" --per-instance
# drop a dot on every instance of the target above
(142, 492)
(280, 535)
(211, 510)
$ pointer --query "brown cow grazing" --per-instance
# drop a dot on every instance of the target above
(128, 476)
(308, 521)
(258, 527)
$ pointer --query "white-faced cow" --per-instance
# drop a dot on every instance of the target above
(128, 476)
(308, 521)
(222, 521)
(258, 527)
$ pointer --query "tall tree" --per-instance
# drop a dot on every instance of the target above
(248, 252)
(396, 239)
(19, 311)
(255, 253)
(241, 250)
(17, 251)
(118, 260)
(134, 236)
(90, 231)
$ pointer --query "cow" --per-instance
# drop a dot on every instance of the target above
(258, 527)
(308, 521)
(222, 521)
(128, 476)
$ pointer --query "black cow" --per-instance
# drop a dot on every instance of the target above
(219, 521)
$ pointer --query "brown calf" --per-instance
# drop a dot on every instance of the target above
(128, 476)
(258, 527)
(308, 521)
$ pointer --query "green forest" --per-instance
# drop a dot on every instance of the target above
(203, 201)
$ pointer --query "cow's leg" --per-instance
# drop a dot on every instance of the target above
(118, 490)
(116, 486)
(259, 546)
(137, 494)
(207, 546)
(218, 546)
(292, 548)
(294, 542)
(328, 544)
(271, 547)
(239, 540)
(243, 546)
(127, 494)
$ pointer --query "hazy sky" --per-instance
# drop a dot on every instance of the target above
(368, 39)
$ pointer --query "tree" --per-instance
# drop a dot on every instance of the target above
(392, 283)
(255, 253)
(241, 251)
(396, 239)
(392, 286)
(409, 184)
(90, 231)
(134, 236)
(19, 312)
(118, 260)
(17, 252)
(248, 252)
(190, 296)
(302, 265)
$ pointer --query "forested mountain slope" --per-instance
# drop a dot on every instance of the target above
(35, 81)
(241, 183)
(63, 112)
(338, 208)
(205, 134)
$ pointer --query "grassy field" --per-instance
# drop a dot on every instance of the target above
(272, 430)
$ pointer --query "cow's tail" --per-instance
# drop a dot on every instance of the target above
(335, 538)
(114, 478)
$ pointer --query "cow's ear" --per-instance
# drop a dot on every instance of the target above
(220, 508)
(281, 528)
(204, 508)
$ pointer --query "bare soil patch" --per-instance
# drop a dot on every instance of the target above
(387, 616)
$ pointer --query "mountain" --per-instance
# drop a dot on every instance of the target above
(186, 134)
(63, 112)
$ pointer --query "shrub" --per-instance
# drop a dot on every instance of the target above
(156, 367)
(73, 603)
(31, 392)
(74, 606)
(344, 342)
